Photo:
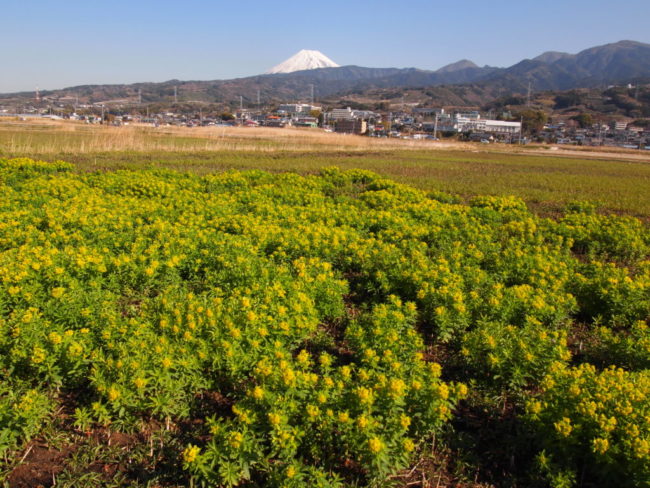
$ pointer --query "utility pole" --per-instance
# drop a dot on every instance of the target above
(175, 94)
(600, 133)
(140, 96)
(258, 98)
(102, 114)
(521, 128)
(241, 103)
(528, 97)
(435, 127)
(312, 93)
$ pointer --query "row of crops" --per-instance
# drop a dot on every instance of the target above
(342, 320)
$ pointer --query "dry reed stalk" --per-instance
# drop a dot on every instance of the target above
(66, 137)
(69, 137)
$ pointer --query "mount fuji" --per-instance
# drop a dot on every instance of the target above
(303, 60)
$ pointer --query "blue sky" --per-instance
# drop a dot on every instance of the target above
(58, 44)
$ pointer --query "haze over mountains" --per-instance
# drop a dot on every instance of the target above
(621, 62)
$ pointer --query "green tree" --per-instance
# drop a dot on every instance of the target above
(532, 120)
(584, 120)
(568, 99)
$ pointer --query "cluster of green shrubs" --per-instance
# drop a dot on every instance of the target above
(313, 306)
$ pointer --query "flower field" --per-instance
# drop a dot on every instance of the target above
(283, 330)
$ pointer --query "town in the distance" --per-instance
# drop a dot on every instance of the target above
(380, 103)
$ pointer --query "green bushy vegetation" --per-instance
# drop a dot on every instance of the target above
(258, 329)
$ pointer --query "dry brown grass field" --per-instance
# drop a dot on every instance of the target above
(546, 177)
(57, 137)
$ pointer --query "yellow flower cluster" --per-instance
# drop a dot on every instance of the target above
(321, 309)
(596, 412)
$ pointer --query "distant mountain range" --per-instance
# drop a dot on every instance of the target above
(621, 62)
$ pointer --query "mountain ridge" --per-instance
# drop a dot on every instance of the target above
(621, 62)
(552, 56)
(457, 66)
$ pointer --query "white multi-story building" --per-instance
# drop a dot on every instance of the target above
(462, 123)
(469, 115)
(502, 127)
(618, 125)
(297, 108)
(341, 114)
(472, 122)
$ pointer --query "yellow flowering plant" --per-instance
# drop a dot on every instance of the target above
(299, 326)
(585, 418)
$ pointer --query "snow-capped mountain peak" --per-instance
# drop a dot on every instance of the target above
(303, 60)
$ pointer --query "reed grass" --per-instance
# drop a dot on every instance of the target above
(53, 137)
